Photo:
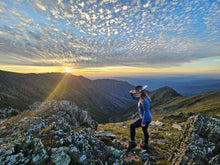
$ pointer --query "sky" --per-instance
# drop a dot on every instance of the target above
(110, 37)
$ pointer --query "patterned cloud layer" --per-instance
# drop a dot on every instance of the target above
(94, 33)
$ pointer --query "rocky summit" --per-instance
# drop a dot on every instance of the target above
(199, 143)
(54, 132)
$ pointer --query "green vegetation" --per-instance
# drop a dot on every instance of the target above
(205, 103)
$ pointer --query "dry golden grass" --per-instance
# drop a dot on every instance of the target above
(45, 130)
(15, 119)
(132, 160)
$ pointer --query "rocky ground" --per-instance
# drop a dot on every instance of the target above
(58, 132)
(54, 133)
(195, 141)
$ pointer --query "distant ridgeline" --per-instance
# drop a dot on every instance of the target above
(185, 85)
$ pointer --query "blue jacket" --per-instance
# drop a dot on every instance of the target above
(144, 109)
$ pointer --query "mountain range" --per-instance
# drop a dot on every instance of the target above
(186, 85)
(101, 98)
(106, 100)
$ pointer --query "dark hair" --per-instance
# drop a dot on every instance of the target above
(144, 94)
(138, 88)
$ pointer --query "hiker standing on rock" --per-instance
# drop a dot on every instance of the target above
(139, 93)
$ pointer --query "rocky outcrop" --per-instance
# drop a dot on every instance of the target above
(60, 147)
(199, 143)
(54, 132)
(64, 111)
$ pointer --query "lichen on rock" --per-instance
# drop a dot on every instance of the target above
(199, 142)
(55, 133)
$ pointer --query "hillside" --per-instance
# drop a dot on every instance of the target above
(166, 101)
(21, 90)
(162, 96)
(206, 103)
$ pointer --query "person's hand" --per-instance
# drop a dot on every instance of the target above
(143, 125)
(131, 91)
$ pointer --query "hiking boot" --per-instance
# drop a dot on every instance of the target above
(132, 145)
(144, 146)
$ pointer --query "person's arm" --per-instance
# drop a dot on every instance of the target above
(134, 96)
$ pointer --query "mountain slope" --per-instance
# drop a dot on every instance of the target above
(162, 96)
(206, 103)
(21, 90)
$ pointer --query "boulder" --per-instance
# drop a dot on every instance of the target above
(105, 134)
(156, 124)
(199, 142)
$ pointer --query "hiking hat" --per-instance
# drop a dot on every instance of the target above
(139, 89)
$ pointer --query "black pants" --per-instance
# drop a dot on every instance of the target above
(137, 124)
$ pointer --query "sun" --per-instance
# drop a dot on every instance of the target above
(68, 70)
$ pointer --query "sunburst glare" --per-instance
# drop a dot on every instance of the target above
(68, 70)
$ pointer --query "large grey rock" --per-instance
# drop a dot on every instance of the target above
(199, 143)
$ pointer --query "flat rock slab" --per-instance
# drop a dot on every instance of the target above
(105, 134)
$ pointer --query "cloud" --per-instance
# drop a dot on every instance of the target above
(109, 32)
